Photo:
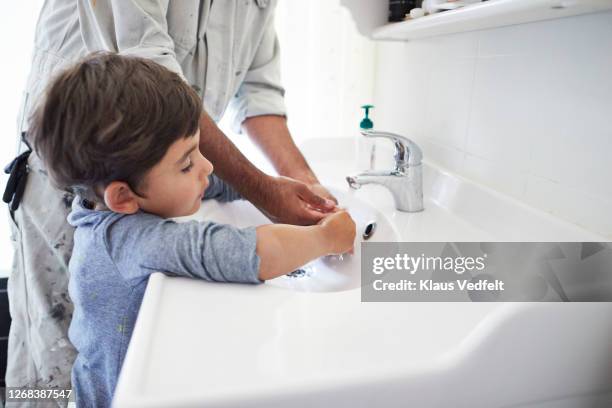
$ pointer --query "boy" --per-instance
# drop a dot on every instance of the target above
(122, 133)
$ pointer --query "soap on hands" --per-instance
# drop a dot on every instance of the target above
(283, 248)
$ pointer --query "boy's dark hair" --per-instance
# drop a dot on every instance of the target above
(108, 118)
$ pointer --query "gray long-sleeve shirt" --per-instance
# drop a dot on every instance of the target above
(113, 257)
(227, 50)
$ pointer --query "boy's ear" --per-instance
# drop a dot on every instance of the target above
(120, 198)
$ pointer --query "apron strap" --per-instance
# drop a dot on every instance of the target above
(18, 170)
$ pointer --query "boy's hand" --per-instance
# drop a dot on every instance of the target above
(339, 232)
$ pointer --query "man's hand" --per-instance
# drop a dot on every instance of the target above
(271, 135)
(293, 202)
(321, 191)
(282, 199)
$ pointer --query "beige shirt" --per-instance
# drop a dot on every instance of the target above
(227, 50)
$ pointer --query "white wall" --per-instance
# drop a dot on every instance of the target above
(525, 109)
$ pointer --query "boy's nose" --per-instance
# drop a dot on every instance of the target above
(208, 166)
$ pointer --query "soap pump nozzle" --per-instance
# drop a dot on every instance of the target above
(366, 123)
(368, 148)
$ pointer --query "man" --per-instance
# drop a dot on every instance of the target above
(228, 52)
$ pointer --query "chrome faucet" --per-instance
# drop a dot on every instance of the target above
(405, 182)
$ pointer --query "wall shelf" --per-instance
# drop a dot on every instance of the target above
(490, 14)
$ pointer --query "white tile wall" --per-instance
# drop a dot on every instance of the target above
(525, 109)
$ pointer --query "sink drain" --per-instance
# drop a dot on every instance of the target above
(369, 230)
(298, 273)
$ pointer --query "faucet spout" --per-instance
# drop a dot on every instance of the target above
(367, 177)
(405, 182)
(405, 187)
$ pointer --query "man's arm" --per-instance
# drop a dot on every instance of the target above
(271, 134)
(281, 199)
(259, 109)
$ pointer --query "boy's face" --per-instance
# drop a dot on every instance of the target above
(175, 186)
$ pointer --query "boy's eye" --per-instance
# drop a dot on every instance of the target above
(188, 168)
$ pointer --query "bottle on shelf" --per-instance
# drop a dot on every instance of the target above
(399, 8)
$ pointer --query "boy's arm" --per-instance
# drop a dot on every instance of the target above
(143, 243)
(283, 248)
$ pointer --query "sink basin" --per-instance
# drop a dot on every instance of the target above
(326, 274)
(199, 343)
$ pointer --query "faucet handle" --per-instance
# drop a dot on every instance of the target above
(407, 153)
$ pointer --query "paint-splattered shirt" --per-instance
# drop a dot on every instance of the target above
(113, 257)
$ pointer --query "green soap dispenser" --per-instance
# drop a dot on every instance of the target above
(366, 147)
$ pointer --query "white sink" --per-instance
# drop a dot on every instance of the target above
(226, 345)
